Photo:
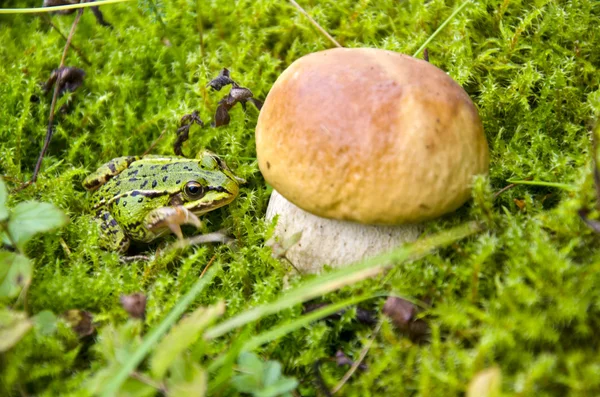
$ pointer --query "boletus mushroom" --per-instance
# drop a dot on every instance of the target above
(363, 145)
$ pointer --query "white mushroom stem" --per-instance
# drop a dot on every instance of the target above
(331, 242)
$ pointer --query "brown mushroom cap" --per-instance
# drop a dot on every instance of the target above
(371, 136)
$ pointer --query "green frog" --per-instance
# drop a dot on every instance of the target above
(142, 198)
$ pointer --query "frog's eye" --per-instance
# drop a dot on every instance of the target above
(193, 190)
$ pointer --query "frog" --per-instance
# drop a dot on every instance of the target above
(140, 199)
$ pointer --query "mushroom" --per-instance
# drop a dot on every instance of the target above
(361, 146)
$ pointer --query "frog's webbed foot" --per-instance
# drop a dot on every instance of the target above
(107, 171)
(171, 218)
(183, 132)
(112, 235)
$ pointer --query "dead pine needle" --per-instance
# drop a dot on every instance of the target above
(210, 262)
(315, 24)
(153, 144)
(357, 363)
(50, 130)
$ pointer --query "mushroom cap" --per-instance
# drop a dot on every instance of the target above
(371, 136)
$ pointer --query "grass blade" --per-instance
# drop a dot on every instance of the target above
(346, 276)
(153, 337)
(303, 321)
(563, 186)
(39, 10)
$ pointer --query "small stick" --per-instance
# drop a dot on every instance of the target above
(50, 130)
(315, 23)
(77, 50)
(357, 363)
(208, 265)
(155, 142)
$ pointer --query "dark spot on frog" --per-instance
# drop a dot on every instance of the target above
(105, 216)
(140, 199)
(135, 193)
(178, 181)
(103, 226)
(164, 167)
(117, 200)
(220, 189)
(165, 178)
(144, 184)
(268, 165)
(132, 173)
(111, 167)
(133, 179)
(113, 223)
(118, 183)
(124, 203)
(154, 183)
(153, 167)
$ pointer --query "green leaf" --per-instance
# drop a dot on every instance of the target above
(261, 379)
(271, 373)
(31, 217)
(282, 386)
(45, 322)
(191, 380)
(181, 336)
(15, 273)
(3, 199)
(13, 326)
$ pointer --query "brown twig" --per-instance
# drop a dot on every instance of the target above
(315, 23)
(208, 265)
(154, 143)
(76, 49)
(50, 130)
(357, 363)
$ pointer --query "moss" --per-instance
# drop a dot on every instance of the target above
(522, 296)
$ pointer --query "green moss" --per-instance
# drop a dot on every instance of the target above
(523, 296)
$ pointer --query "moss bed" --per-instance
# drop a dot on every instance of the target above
(522, 296)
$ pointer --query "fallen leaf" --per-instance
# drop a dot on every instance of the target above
(80, 321)
(13, 326)
(134, 305)
(486, 383)
(403, 314)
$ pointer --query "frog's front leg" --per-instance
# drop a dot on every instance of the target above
(112, 235)
(158, 220)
